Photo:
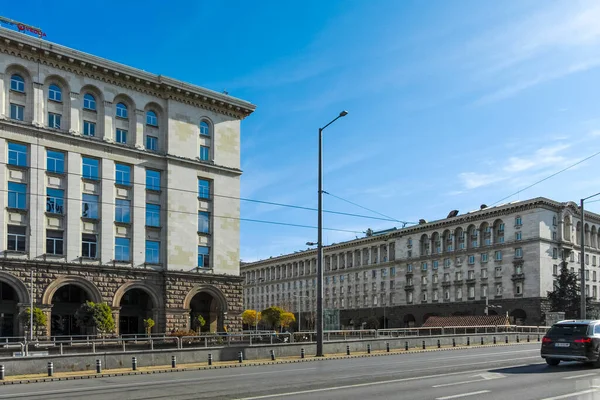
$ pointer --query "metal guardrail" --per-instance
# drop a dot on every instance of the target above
(94, 343)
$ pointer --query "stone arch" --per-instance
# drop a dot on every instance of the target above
(518, 316)
(567, 228)
(209, 302)
(17, 285)
(436, 243)
(593, 237)
(25, 99)
(447, 240)
(86, 285)
(96, 116)
(63, 107)
(409, 320)
(151, 290)
(210, 289)
(459, 238)
(578, 233)
(471, 237)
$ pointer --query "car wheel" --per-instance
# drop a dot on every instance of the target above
(552, 361)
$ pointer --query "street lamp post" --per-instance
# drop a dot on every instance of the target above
(320, 242)
(582, 260)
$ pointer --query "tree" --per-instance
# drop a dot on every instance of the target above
(566, 294)
(272, 316)
(372, 323)
(148, 324)
(250, 317)
(200, 321)
(287, 318)
(97, 316)
(39, 318)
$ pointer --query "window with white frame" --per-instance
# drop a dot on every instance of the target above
(151, 118)
(121, 110)
(484, 273)
(121, 136)
(54, 93)
(89, 206)
(54, 120)
(54, 242)
(89, 102)
(204, 257)
(16, 238)
(17, 154)
(498, 255)
(518, 252)
(17, 83)
(122, 247)
(17, 112)
(89, 128)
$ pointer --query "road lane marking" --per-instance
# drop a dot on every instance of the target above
(457, 396)
(483, 377)
(566, 396)
(579, 376)
(458, 383)
(270, 396)
(133, 384)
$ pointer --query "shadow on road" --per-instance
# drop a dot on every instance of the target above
(544, 369)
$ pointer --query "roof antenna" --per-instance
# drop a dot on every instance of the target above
(23, 27)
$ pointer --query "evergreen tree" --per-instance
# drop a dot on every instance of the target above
(566, 294)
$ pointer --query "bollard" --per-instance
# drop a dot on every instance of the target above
(468, 341)
(240, 357)
(439, 344)
(406, 346)
(98, 366)
(506, 339)
(482, 340)
(302, 352)
(369, 348)
(347, 349)
(133, 363)
(272, 355)
(494, 339)
(1, 372)
(527, 338)
(50, 368)
(387, 346)
(209, 359)
(423, 345)
(453, 342)
(173, 362)
(538, 338)
(517, 338)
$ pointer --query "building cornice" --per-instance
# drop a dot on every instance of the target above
(83, 64)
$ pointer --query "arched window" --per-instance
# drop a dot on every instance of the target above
(204, 128)
(89, 102)
(17, 83)
(54, 93)
(121, 110)
(151, 118)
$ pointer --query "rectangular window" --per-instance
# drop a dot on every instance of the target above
(17, 154)
(499, 290)
(122, 174)
(498, 255)
(498, 272)
(555, 270)
(392, 271)
(374, 274)
(483, 273)
(409, 268)
(518, 252)
(204, 153)
(89, 206)
(152, 215)
(203, 189)
(484, 257)
(121, 136)
(471, 275)
(17, 112)
(424, 266)
(55, 201)
(555, 253)
(90, 168)
(471, 260)
(152, 143)
(121, 249)
(518, 221)
(152, 252)
(16, 238)
(518, 236)
(89, 245)
(17, 195)
(435, 264)
(203, 257)
(54, 120)
(152, 180)
(447, 263)
(55, 161)
(89, 128)
(122, 211)
(554, 236)
(484, 291)
(471, 292)
(203, 222)
(54, 242)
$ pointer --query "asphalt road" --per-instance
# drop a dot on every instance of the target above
(511, 372)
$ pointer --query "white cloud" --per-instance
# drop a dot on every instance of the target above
(543, 157)
(473, 180)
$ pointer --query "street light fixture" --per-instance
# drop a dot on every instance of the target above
(582, 260)
(320, 242)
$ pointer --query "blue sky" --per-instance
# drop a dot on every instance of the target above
(451, 103)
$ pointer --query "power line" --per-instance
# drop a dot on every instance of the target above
(548, 177)
(368, 209)
(195, 214)
(223, 196)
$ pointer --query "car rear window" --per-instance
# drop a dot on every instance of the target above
(568, 330)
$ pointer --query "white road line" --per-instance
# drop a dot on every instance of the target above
(270, 396)
(134, 384)
(457, 396)
(579, 376)
(458, 383)
(566, 396)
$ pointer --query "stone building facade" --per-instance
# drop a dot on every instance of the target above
(119, 186)
(506, 256)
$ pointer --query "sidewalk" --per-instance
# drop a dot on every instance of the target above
(160, 369)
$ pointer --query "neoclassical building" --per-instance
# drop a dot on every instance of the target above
(508, 254)
(119, 186)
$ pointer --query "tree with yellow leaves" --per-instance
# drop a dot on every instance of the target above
(286, 319)
(250, 317)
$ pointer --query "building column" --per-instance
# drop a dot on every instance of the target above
(138, 218)
(109, 117)
(36, 109)
(3, 97)
(75, 127)
(74, 211)
(107, 213)
(116, 313)
(139, 129)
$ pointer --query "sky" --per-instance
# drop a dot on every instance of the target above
(451, 104)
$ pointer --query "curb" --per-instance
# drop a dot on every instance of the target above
(253, 364)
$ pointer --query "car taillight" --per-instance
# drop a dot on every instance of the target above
(546, 340)
(586, 340)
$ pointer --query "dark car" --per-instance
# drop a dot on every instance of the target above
(572, 340)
